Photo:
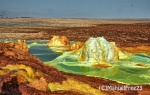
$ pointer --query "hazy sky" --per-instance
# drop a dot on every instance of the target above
(76, 8)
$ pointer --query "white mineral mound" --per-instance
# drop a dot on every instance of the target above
(98, 50)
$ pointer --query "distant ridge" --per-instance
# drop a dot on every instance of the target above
(12, 14)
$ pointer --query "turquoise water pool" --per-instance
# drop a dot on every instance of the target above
(125, 71)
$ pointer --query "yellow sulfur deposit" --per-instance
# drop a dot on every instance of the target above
(59, 41)
(77, 45)
(74, 85)
(28, 69)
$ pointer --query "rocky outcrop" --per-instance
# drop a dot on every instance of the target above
(59, 44)
(14, 50)
(26, 68)
(98, 50)
(21, 44)
(59, 41)
(77, 45)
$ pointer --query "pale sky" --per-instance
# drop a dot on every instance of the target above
(76, 8)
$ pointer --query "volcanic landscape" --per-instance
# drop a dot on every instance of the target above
(130, 35)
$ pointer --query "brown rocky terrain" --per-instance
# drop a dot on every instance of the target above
(125, 32)
(23, 73)
(131, 34)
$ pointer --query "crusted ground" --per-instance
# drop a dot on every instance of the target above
(23, 73)
(125, 32)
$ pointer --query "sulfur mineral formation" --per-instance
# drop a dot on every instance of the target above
(98, 50)
(59, 41)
